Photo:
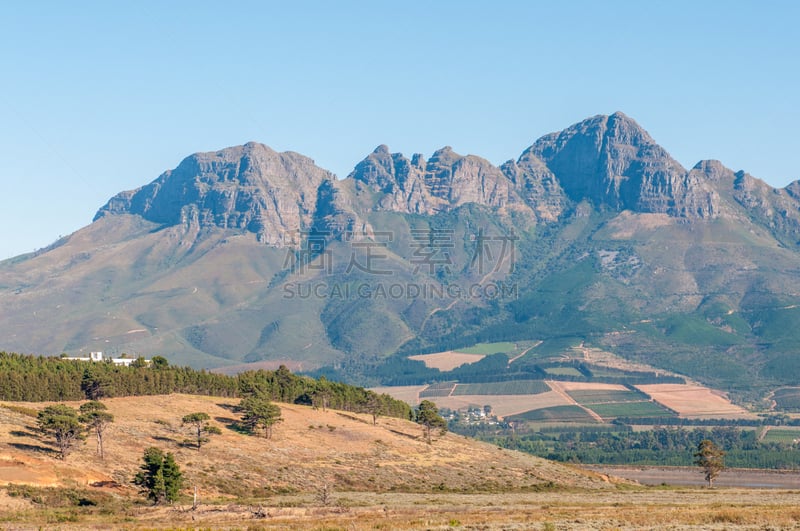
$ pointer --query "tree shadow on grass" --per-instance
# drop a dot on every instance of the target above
(21, 433)
(407, 435)
(161, 438)
(34, 448)
(232, 424)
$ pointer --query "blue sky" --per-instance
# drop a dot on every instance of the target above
(100, 97)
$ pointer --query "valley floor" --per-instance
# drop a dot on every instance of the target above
(626, 508)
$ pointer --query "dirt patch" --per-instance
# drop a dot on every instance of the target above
(447, 361)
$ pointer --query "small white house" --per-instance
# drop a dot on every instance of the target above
(98, 356)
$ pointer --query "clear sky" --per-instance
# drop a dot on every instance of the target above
(100, 97)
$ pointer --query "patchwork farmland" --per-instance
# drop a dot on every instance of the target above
(600, 402)
(564, 381)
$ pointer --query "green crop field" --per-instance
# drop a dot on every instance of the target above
(441, 385)
(563, 371)
(788, 399)
(782, 436)
(490, 348)
(631, 409)
(555, 413)
(590, 397)
(516, 387)
(554, 347)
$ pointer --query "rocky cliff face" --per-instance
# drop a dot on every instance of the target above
(445, 181)
(537, 186)
(613, 162)
(248, 187)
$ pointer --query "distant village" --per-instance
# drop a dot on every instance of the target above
(473, 415)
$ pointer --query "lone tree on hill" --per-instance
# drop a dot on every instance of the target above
(258, 413)
(711, 459)
(321, 396)
(94, 415)
(159, 477)
(428, 416)
(61, 422)
(200, 427)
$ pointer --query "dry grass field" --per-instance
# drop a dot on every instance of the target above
(447, 361)
(407, 393)
(633, 509)
(694, 401)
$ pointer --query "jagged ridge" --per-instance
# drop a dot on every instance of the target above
(609, 161)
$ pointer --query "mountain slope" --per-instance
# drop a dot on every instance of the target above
(251, 256)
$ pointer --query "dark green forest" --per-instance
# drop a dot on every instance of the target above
(619, 445)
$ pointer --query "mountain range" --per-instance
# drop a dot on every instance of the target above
(247, 257)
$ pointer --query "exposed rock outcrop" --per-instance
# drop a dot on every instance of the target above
(248, 187)
(445, 181)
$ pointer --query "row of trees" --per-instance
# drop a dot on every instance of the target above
(659, 446)
(39, 379)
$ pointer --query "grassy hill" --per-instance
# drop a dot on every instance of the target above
(310, 447)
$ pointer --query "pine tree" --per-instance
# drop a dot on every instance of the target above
(428, 416)
(374, 406)
(200, 427)
(61, 421)
(95, 384)
(95, 416)
(711, 459)
(259, 413)
(159, 477)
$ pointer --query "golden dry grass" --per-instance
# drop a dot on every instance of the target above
(308, 448)
(601, 510)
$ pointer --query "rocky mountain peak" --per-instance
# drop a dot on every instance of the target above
(613, 162)
(250, 187)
